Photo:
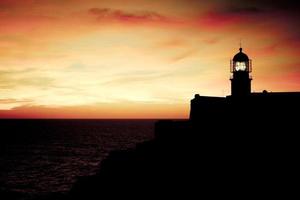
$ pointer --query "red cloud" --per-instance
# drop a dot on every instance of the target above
(269, 50)
(103, 111)
(124, 16)
(223, 19)
(284, 46)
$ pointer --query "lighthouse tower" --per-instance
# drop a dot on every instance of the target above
(240, 68)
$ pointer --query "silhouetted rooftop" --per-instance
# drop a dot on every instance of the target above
(282, 94)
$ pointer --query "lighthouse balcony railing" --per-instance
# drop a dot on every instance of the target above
(231, 66)
(250, 66)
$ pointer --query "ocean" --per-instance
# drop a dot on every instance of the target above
(39, 158)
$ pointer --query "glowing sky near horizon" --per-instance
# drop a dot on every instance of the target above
(138, 58)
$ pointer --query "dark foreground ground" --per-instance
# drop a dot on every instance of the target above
(214, 158)
(233, 155)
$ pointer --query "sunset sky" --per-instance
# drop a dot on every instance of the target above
(138, 58)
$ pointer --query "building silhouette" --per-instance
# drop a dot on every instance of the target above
(242, 101)
(239, 146)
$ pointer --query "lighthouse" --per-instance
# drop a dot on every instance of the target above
(205, 109)
(240, 68)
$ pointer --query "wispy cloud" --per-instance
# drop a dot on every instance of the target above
(24, 78)
(184, 55)
(108, 14)
(12, 101)
(9, 103)
(135, 78)
(173, 43)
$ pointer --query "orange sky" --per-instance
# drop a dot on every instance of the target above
(138, 58)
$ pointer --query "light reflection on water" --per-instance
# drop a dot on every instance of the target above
(45, 156)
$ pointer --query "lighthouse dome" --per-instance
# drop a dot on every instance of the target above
(240, 57)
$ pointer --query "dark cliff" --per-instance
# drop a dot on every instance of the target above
(230, 147)
(226, 154)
